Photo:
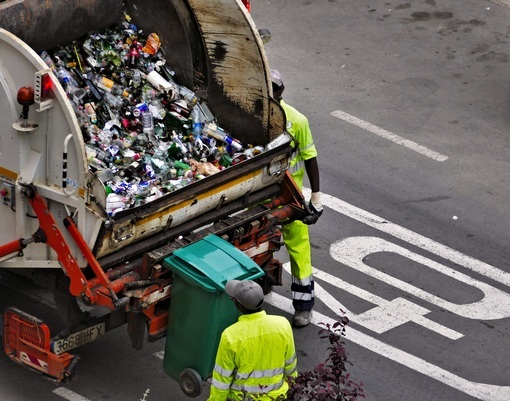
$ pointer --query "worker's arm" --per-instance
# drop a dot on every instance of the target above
(290, 369)
(312, 171)
(223, 372)
(308, 154)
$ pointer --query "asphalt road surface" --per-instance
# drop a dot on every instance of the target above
(408, 102)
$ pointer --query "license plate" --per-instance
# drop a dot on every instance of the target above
(79, 338)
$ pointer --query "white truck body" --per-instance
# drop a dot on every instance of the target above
(36, 156)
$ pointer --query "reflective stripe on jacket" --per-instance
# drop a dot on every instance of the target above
(255, 357)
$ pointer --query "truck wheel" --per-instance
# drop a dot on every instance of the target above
(190, 382)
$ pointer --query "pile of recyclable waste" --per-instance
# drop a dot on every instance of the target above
(145, 134)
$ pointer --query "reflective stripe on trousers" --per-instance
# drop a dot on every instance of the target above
(297, 242)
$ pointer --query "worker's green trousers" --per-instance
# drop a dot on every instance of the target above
(297, 241)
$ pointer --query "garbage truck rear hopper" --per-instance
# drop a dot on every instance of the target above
(58, 232)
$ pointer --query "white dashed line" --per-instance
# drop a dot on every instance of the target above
(69, 395)
(389, 135)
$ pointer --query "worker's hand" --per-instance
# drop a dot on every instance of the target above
(315, 208)
(316, 204)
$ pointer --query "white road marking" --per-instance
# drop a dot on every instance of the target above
(160, 354)
(388, 135)
(353, 251)
(413, 238)
(384, 317)
(482, 391)
(69, 395)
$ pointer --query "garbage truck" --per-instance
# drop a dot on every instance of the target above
(106, 270)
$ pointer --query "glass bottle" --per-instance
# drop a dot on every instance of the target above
(108, 85)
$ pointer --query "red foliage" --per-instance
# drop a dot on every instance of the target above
(328, 380)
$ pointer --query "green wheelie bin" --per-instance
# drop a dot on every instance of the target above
(199, 307)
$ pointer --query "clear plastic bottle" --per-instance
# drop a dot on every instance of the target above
(148, 93)
(188, 95)
(74, 92)
(148, 126)
(137, 78)
(95, 163)
(115, 102)
(66, 78)
(177, 140)
(216, 132)
(103, 156)
(49, 61)
(77, 95)
(197, 122)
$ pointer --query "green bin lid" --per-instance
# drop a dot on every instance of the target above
(211, 262)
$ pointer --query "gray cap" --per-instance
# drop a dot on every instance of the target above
(276, 77)
(248, 293)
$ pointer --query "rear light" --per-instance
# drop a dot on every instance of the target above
(43, 89)
(25, 96)
(247, 4)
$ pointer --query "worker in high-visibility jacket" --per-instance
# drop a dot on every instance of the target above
(256, 356)
(295, 235)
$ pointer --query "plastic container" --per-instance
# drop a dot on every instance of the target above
(199, 308)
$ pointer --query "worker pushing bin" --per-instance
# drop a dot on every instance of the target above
(200, 309)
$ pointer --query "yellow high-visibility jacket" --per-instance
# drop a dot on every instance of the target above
(299, 128)
(295, 235)
(255, 357)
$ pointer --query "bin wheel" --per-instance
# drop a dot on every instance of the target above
(190, 382)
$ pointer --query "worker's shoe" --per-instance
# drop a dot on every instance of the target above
(302, 318)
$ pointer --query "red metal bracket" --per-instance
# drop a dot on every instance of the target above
(27, 341)
(100, 289)
(50, 234)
